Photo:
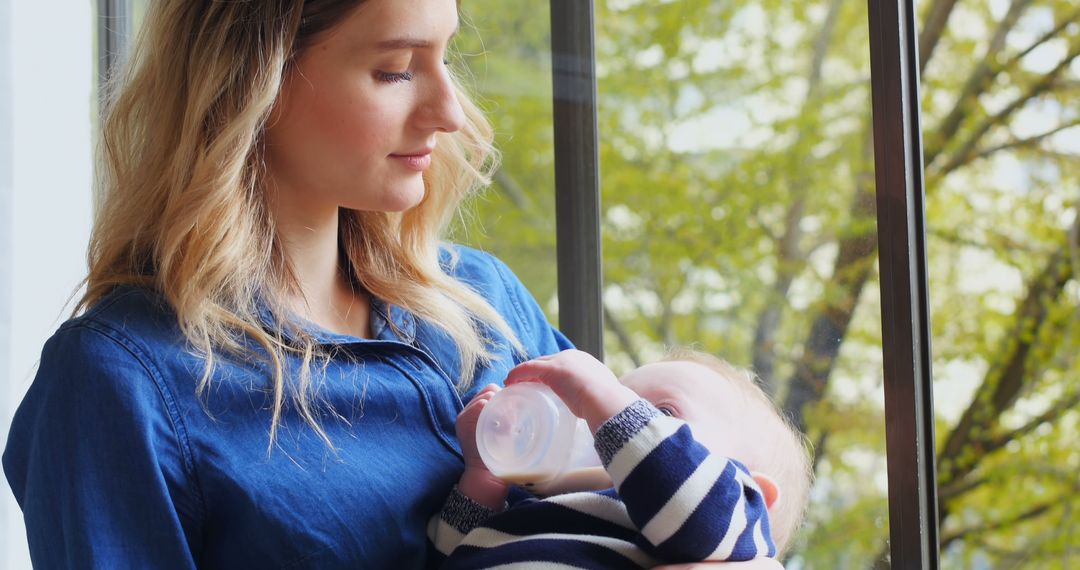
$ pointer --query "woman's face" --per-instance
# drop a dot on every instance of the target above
(355, 123)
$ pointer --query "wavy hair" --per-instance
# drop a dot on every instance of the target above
(183, 211)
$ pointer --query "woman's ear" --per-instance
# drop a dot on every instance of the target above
(769, 488)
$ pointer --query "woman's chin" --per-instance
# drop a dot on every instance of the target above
(405, 201)
(400, 200)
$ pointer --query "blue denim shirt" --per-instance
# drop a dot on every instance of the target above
(117, 463)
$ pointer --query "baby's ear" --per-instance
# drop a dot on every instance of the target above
(769, 488)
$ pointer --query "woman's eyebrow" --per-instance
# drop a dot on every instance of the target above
(409, 43)
(402, 43)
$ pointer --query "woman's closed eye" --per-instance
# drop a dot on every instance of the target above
(400, 76)
(393, 77)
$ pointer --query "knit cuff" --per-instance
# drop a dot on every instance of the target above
(463, 513)
(623, 426)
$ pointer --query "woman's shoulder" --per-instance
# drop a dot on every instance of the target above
(480, 269)
(487, 275)
(494, 280)
(129, 320)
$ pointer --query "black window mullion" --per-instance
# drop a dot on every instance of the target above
(577, 173)
(905, 318)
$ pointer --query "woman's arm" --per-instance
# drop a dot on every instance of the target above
(96, 463)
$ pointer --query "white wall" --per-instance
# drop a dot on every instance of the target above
(46, 79)
(6, 151)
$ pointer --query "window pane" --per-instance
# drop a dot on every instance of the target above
(1002, 141)
(503, 53)
(738, 197)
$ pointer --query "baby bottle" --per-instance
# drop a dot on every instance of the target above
(527, 436)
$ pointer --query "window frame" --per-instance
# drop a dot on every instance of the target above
(902, 259)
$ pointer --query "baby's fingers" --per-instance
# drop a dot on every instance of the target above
(485, 394)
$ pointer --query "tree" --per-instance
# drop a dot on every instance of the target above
(738, 196)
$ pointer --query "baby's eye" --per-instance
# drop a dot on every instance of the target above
(666, 411)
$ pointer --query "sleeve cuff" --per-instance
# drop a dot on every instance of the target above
(463, 513)
(614, 433)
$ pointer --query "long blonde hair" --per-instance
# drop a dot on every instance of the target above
(183, 211)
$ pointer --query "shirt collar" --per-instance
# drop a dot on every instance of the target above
(388, 322)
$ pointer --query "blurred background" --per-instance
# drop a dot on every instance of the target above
(738, 217)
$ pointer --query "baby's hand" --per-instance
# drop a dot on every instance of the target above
(476, 481)
(466, 427)
(584, 384)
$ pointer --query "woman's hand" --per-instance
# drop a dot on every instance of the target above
(584, 384)
(755, 564)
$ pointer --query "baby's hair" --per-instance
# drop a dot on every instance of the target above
(788, 461)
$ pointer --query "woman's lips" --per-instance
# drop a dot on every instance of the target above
(418, 161)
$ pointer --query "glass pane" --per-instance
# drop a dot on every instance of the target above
(503, 55)
(1002, 134)
(738, 218)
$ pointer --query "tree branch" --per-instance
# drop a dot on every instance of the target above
(1033, 512)
(1024, 142)
(513, 190)
(627, 343)
(832, 317)
(1001, 386)
(967, 148)
(1053, 412)
(932, 29)
(789, 259)
(976, 83)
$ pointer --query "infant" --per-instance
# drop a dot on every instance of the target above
(668, 435)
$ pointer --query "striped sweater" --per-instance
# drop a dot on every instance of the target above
(673, 502)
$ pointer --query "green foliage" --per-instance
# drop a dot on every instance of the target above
(736, 170)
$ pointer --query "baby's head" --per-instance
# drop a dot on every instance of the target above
(731, 415)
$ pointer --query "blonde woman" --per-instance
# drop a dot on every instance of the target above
(273, 345)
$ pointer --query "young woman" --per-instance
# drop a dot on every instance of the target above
(273, 344)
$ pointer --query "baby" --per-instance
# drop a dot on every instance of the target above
(679, 495)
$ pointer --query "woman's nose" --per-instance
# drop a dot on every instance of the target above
(441, 110)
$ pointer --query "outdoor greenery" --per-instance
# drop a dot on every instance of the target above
(738, 196)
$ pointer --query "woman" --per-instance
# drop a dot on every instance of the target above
(273, 344)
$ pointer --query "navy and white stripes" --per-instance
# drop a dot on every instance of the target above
(675, 502)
